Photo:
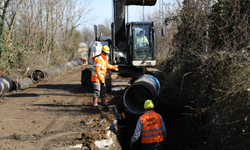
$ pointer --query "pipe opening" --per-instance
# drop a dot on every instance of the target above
(143, 92)
(135, 96)
(145, 87)
(15, 85)
(37, 75)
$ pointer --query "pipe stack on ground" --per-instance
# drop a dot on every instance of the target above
(36, 75)
(7, 85)
(145, 87)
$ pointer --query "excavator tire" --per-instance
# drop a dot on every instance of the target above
(86, 80)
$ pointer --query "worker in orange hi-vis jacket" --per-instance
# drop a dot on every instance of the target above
(151, 127)
(99, 73)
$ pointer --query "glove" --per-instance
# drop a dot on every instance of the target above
(116, 68)
(131, 145)
(102, 80)
(84, 58)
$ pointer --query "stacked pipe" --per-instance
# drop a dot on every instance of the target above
(5, 85)
(38, 74)
(145, 87)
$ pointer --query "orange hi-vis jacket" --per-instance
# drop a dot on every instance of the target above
(100, 67)
(151, 128)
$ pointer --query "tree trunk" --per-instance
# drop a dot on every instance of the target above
(4, 10)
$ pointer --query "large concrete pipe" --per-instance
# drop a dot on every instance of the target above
(37, 75)
(61, 67)
(74, 62)
(55, 70)
(145, 87)
(24, 82)
(5, 85)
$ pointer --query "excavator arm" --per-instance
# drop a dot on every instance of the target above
(139, 2)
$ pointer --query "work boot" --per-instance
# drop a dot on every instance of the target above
(95, 102)
(104, 101)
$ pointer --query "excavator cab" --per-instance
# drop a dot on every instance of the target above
(141, 43)
(133, 43)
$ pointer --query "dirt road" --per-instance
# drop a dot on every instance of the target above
(57, 113)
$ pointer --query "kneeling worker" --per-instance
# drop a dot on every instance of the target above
(152, 128)
(99, 73)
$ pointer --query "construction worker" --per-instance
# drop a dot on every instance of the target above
(152, 128)
(140, 39)
(99, 73)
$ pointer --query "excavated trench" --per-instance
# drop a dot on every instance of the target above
(145, 87)
(126, 128)
(134, 92)
(182, 133)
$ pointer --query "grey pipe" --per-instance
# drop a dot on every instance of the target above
(145, 87)
(61, 67)
(24, 82)
(56, 69)
(74, 63)
(36, 75)
(5, 85)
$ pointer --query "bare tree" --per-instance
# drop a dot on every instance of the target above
(87, 35)
(42, 31)
(164, 44)
(4, 6)
(103, 30)
(107, 23)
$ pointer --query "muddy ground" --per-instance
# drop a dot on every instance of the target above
(57, 114)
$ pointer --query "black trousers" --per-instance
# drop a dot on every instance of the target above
(153, 146)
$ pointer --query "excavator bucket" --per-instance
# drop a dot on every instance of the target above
(139, 2)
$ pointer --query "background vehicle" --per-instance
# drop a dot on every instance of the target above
(133, 61)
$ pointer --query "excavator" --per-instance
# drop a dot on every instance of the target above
(133, 59)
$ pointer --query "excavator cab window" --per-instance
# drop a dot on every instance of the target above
(142, 36)
(142, 42)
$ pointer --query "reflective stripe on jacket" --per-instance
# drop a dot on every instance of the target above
(151, 128)
(100, 67)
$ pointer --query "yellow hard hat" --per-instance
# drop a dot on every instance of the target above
(148, 104)
(105, 48)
